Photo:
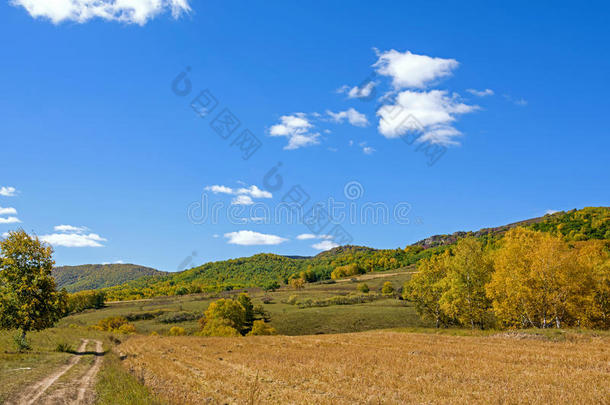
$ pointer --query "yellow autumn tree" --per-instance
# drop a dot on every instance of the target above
(426, 288)
(464, 299)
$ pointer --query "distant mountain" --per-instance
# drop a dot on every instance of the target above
(94, 276)
(584, 224)
(265, 270)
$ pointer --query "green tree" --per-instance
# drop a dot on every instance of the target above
(363, 288)
(246, 302)
(262, 328)
(469, 269)
(29, 300)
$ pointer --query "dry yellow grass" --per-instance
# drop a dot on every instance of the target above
(372, 367)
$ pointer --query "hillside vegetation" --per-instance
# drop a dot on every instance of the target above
(96, 276)
(269, 271)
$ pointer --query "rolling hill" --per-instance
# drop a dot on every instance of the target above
(96, 276)
(266, 270)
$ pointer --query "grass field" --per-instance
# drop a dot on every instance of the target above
(411, 363)
(373, 367)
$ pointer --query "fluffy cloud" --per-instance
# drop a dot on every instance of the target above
(126, 11)
(367, 150)
(351, 115)
(481, 93)
(325, 245)
(363, 91)
(9, 220)
(243, 195)
(8, 191)
(250, 238)
(409, 70)
(429, 112)
(308, 236)
(8, 211)
(74, 239)
(297, 129)
(73, 236)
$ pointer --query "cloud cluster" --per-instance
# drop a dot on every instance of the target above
(298, 129)
(243, 195)
(325, 243)
(11, 212)
(251, 238)
(126, 11)
(8, 191)
(411, 108)
(481, 93)
(363, 91)
(352, 116)
(73, 236)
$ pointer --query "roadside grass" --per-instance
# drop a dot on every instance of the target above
(115, 386)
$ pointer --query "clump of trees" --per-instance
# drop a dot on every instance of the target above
(115, 324)
(29, 300)
(527, 279)
(234, 317)
(83, 300)
(347, 270)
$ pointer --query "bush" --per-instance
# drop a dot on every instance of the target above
(260, 328)
(363, 288)
(115, 324)
(176, 317)
(177, 331)
(127, 329)
(218, 327)
(387, 289)
(144, 316)
(292, 300)
(267, 300)
(21, 343)
(64, 347)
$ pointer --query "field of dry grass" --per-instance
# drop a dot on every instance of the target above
(373, 367)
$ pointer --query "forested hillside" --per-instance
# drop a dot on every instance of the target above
(270, 271)
(95, 276)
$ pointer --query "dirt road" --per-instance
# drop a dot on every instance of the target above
(72, 383)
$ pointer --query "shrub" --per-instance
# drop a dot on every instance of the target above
(127, 329)
(347, 270)
(260, 328)
(292, 300)
(142, 316)
(267, 300)
(387, 289)
(363, 288)
(218, 327)
(115, 324)
(64, 347)
(176, 317)
(177, 331)
(21, 343)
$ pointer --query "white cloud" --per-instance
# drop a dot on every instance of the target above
(358, 92)
(81, 11)
(324, 245)
(351, 115)
(216, 236)
(551, 212)
(8, 191)
(297, 129)
(368, 150)
(519, 101)
(5, 235)
(409, 70)
(242, 200)
(9, 220)
(220, 189)
(8, 211)
(430, 112)
(250, 238)
(306, 236)
(74, 239)
(481, 93)
(70, 228)
(254, 192)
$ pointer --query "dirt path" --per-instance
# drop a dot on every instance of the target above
(78, 390)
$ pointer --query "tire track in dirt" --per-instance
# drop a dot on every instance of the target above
(77, 391)
(34, 392)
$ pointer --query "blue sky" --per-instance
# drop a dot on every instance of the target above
(102, 159)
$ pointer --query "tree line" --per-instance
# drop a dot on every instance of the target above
(526, 279)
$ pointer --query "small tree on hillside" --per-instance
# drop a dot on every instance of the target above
(29, 300)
